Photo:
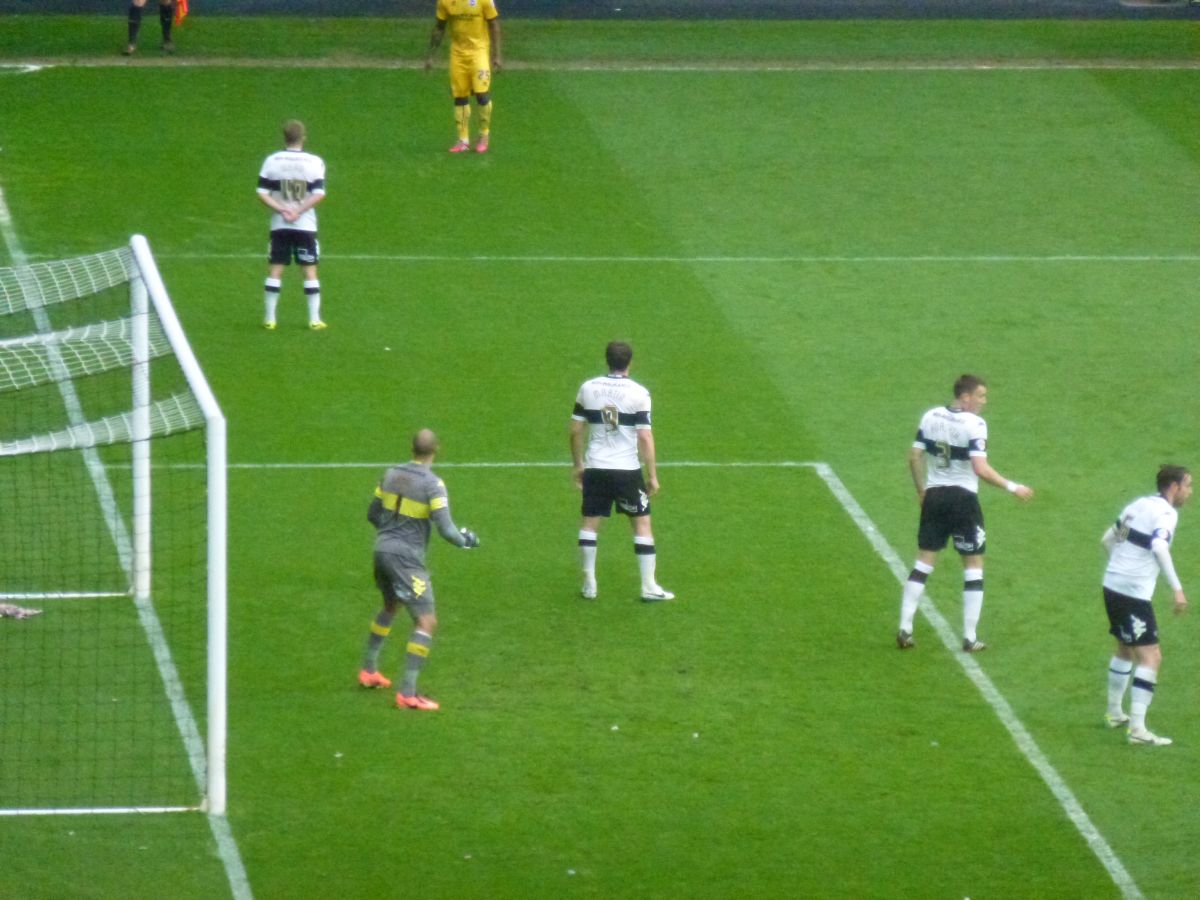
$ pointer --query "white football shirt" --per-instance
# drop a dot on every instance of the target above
(615, 407)
(950, 437)
(1132, 566)
(290, 176)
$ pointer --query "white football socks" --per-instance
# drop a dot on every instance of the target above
(914, 587)
(1119, 673)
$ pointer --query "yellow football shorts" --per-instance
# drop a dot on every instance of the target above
(470, 74)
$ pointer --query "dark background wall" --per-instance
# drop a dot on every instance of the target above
(644, 9)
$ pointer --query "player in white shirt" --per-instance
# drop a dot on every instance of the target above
(946, 460)
(1139, 547)
(290, 183)
(611, 441)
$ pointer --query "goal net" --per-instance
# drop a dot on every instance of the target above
(112, 546)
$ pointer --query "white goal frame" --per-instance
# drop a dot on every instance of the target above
(149, 288)
(207, 757)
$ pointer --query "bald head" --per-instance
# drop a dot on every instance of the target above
(424, 445)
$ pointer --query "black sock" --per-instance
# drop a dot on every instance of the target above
(166, 16)
(135, 22)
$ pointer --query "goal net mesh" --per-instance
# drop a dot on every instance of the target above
(103, 683)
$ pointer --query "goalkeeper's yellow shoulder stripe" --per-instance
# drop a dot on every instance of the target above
(414, 509)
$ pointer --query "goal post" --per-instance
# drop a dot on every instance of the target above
(149, 286)
(113, 466)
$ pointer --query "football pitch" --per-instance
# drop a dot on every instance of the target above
(807, 231)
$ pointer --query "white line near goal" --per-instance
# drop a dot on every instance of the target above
(31, 66)
(1004, 711)
(98, 811)
(719, 259)
(555, 464)
(65, 595)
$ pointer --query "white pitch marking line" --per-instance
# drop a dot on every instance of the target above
(785, 464)
(1020, 734)
(720, 260)
(98, 811)
(715, 67)
(227, 847)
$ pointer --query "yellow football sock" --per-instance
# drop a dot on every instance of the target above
(485, 119)
(462, 118)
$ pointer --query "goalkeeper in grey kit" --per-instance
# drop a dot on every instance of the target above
(408, 499)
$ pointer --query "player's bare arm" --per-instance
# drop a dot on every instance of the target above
(291, 211)
(577, 440)
(435, 41)
(916, 468)
(984, 470)
(272, 203)
(493, 26)
(304, 206)
(645, 439)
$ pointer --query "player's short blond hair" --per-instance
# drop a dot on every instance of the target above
(293, 132)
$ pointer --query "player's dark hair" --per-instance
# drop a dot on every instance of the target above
(619, 355)
(966, 384)
(293, 132)
(1169, 475)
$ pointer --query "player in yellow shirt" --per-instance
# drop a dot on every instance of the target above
(474, 55)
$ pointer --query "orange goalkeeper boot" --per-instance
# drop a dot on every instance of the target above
(372, 680)
(415, 702)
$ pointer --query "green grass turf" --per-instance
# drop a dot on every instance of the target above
(766, 800)
(826, 763)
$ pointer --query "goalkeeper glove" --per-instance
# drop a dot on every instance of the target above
(471, 538)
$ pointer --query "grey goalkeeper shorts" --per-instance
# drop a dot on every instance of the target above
(410, 585)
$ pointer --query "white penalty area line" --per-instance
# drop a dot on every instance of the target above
(99, 811)
(717, 67)
(720, 259)
(185, 721)
(950, 65)
(1004, 711)
(1000, 706)
(561, 464)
